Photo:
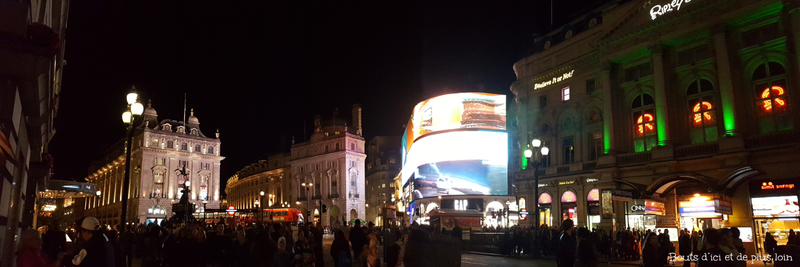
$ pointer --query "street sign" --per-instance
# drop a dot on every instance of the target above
(231, 210)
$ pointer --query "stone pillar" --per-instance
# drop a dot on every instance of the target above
(725, 80)
(662, 123)
(608, 104)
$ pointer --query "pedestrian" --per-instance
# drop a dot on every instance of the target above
(457, 232)
(54, 242)
(357, 239)
(586, 252)
(282, 257)
(650, 252)
(792, 239)
(666, 246)
(727, 246)
(566, 245)
(369, 257)
(97, 251)
(30, 254)
(128, 242)
(769, 246)
(303, 254)
(340, 250)
(263, 250)
(685, 247)
(394, 257)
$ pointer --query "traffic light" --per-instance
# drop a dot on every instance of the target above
(324, 208)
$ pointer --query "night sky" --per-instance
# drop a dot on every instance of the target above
(259, 71)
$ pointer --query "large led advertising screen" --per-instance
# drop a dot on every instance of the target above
(455, 111)
(469, 162)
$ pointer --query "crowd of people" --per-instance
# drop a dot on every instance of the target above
(220, 245)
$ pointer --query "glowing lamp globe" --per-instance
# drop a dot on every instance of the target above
(131, 98)
(126, 117)
(545, 151)
(262, 193)
(137, 108)
(528, 153)
(536, 143)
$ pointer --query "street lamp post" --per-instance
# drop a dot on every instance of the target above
(537, 161)
(131, 118)
(186, 191)
(261, 198)
(308, 199)
(271, 197)
(258, 209)
(204, 211)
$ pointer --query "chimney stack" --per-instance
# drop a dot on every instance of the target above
(357, 119)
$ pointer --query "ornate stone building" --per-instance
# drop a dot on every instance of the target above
(271, 176)
(383, 164)
(643, 102)
(160, 150)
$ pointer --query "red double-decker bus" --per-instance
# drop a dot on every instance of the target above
(279, 215)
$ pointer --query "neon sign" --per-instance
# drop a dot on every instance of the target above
(555, 80)
(769, 185)
(660, 10)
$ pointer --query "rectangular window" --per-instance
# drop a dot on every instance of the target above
(154, 143)
(693, 55)
(543, 101)
(211, 150)
(590, 88)
(596, 148)
(198, 149)
(568, 145)
(565, 94)
(760, 35)
(637, 72)
(184, 146)
(169, 144)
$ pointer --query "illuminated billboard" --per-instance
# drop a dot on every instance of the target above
(455, 111)
(473, 162)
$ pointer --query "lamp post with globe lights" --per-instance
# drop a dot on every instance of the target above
(533, 156)
(131, 117)
(261, 200)
(258, 209)
(205, 201)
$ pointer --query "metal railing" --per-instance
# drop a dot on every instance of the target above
(773, 139)
(697, 150)
(634, 158)
(591, 165)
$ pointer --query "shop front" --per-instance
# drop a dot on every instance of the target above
(593, 208)
(775, 210)
(569, 206)
(701, 212)
(546, 209)
(642, 214)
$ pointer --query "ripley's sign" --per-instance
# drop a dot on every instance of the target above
(660, 10)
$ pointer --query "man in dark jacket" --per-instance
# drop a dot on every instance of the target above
(666, 247)
(457, 232)
(357, 239)
(685, 247)
(567, 245)
(54, 241)
(97, 252)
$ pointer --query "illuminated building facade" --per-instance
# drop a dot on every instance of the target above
(32, 45)
(160, 150)
(271, 176)
(383, 164)
(689, 108)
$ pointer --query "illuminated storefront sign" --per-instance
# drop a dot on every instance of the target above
(770, 185)
(545, 198)
(554, 80)
(568, 197)
(594, 195)
(49, 208)
(638, 208)
(653, 207)
(703, 206)
(607, 204)
(522, 203)
(566, 182)
(780, 206)
(660, 10)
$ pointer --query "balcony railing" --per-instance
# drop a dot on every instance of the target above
(588, 166)
(317, 197)
(157, 195)
(696, 150)
(562, 169)
(634, 158)
(333, 196)
(774, 139)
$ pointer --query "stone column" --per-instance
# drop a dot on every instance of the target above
(608, 104)
(725, 80)
(662, 123)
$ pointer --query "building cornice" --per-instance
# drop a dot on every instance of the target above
(183, 135)
(181, 154)
(328, 155)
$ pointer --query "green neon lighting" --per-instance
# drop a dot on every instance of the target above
(728, 115)
(607, 139)
(661, 120)
(524, 162)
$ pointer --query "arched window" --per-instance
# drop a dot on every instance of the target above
(702, 112)
(644, 123)
(769, 81)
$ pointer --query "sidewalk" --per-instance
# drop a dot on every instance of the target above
(676, 263)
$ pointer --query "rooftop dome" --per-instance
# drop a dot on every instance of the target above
(150, 111)
(192, 119)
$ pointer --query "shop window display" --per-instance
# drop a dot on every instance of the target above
(569, 206)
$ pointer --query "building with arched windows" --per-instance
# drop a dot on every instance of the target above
(160, 151)
(664, 116)
(327, 169)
